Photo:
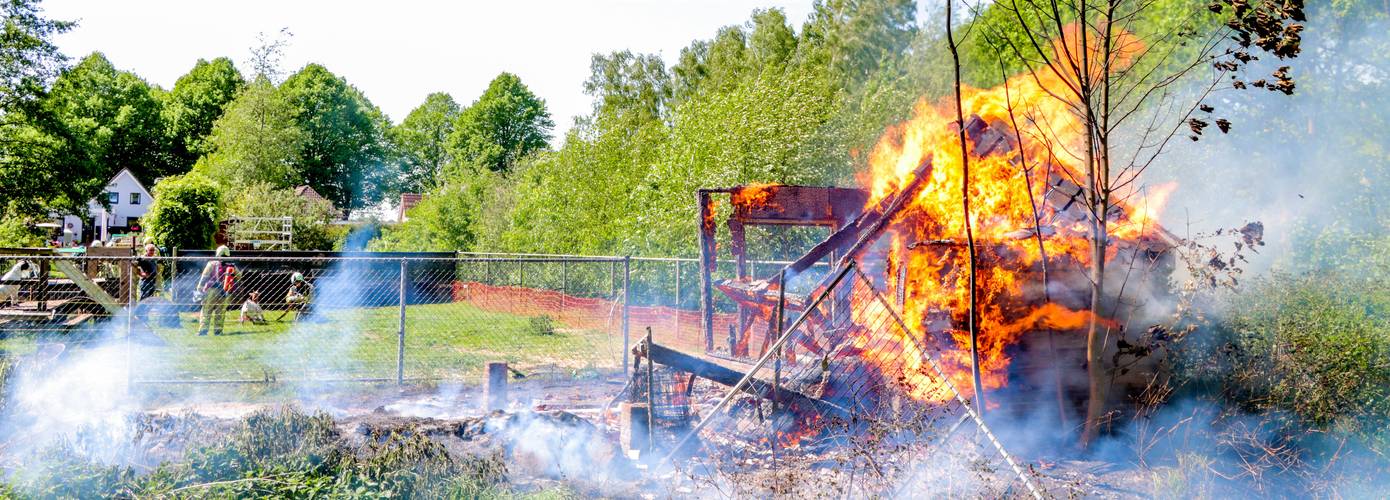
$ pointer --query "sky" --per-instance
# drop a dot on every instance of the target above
(398, 52)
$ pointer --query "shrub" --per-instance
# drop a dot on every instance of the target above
(541, 325)
(185, 213)
(1315, 345)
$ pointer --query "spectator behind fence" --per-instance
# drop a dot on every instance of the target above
(148, 269)
(251, 310)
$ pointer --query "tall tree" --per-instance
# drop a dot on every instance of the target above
(195, 103)
(256, 140)
(39, 170)
(504, 125)
(421, 143)
(115, 116)
(858, 36)
(344, 152)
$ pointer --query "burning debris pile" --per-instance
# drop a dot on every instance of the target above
(884, 337)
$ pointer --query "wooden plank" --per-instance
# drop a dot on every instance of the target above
(87, 285)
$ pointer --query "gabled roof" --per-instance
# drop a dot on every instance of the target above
(308, 192)
(124, 172)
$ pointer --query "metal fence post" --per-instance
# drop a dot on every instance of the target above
(400, 335)
(627, 301)
(678, 298)
(131, 296)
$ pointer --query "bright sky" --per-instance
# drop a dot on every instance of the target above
(398, 52)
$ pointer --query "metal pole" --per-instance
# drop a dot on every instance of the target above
(522, 264)
(677, 306)
(612, 276)
(400, 334)
(564, 282)
(627, 300)
(129, 324)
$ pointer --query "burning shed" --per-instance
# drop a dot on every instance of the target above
(904, 235)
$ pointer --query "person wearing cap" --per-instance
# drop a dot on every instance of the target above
(214, 284)
(297, 299)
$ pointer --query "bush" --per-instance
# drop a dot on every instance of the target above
(541, 325)
(185, 213)
(1316, 346)
(15, 232)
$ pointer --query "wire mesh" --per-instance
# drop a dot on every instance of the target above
(260, 319)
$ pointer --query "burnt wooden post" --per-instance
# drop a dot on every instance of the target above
(707, 262)
(651, 398)
(495, 386)
(738, 246)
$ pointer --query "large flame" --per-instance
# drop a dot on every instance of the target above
(929, 234)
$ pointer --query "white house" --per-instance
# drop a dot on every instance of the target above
(128, 201)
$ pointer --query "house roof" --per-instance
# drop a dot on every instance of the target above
(408, 201)
(124, 172)
(308, 192)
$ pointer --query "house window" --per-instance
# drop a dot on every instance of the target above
(134, 198)
(113, 198)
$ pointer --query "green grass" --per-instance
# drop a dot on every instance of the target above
(450, 341)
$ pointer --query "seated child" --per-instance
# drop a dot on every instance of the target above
(251, 310)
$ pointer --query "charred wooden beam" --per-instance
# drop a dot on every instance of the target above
(793, 400)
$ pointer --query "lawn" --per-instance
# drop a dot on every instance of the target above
(448, 341)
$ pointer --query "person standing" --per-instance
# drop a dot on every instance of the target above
(213, 284)
(148, 269)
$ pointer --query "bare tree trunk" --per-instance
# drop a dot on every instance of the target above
(971, 323)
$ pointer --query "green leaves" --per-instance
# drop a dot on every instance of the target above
(504, 125)
(185, 212)
(344, 137)
(421, 143)
(257, 140)
(196, 102)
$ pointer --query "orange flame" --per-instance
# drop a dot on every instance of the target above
(1044, 155)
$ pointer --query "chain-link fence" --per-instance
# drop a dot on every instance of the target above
(358, 316)
(257, 318)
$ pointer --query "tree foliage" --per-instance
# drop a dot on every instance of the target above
(343, 149)
(115, 117)
(257, 140)
(504, 125)
(195, 103)
(421, 143)
(186, 212)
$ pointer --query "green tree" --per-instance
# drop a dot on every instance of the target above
(344, 149)
(446, 220)
(505, 124)
(195, 103)
(257, 140)
(186, 211)
(421, 143)
(40, 170)
(115, 116)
